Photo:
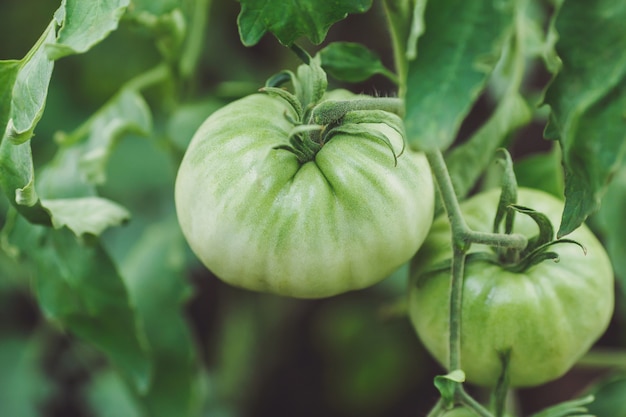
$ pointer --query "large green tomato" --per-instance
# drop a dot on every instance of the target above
(547, 316)
(261, 220)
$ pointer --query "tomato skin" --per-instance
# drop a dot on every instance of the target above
(260, 220)
(548, 316)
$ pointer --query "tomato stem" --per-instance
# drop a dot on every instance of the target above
(456, 297)
(331, 111)
(463, 235)
(462, 238)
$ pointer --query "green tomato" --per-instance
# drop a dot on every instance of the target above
(547, 316)
(261, 220)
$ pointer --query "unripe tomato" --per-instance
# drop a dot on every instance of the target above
(547, 316)
(260, 219)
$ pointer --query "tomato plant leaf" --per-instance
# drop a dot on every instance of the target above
(541, 171)
(353, 62)
(405, 19)
(153, 269)
(609, 395)
(24, 384)
(469, 160)
(448, 384)
(78, 286)
(80, 29)
(126, 112)
(108, 396)
(87, 215)
(17, 180)
(29, 90)
(289, 20)
(62, 176)
(452, 67)
(84, 24)
(83, 215)
(611, 221)
(587, 100)
(577, 407)
(8, 74)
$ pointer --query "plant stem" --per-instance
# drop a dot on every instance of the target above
(193, 46)
(456, 298)
(463, 236)
(332, 110)
(398, 20)
(150, 78)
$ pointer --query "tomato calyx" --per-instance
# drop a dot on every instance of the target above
(519, 261)
(317, 120)
(537, 249)
(538, 246)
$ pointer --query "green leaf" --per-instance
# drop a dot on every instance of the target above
(79, 287)
(587, 100)
(8, 75)
(447, 385)
(127, 112)
(609, 396)
(17, 180)
(353, 62)
(612, 223)
(577, 407)
(84, 214)
(109, 397)
(405, 19)
(62, 176)
(457, 52)
(469, 160)
(154, 271)
(185, 120)
(87, 215)
(84, 24)
(24, 384)
(289, 20)
(30, 90)
(541, 171)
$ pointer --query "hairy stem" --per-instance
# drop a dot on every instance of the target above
(333, 110)
(398, 12)
(456, 298)
(463, 236)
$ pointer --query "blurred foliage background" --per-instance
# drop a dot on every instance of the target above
(251, 354)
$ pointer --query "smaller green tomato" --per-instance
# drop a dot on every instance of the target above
(547, 316)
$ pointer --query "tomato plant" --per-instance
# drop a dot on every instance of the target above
(179, 178)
